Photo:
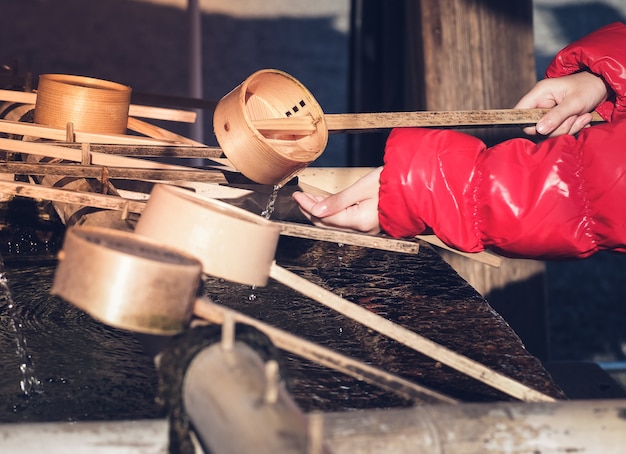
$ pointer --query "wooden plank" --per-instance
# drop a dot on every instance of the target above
(363, 122)
(60, 134)
(122, 173)
(151, 151)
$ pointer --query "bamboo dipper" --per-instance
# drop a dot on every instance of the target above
(239, 246)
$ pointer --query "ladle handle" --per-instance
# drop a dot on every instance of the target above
(407, 337)
(215, 313)
(360, 122)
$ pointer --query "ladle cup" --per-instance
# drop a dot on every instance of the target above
(269, 158)
(214, 232)
(126, 280)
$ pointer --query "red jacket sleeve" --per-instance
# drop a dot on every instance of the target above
(561, 198)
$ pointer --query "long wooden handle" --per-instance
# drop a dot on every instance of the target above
(353, 238)
(121, 173)
(108, 202)
(409, 338)
(72, 154)
(215, 313)
(385, 120)
(91, 199)
(52, 133)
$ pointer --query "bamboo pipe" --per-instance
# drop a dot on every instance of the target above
(577, 426)
(303, 125)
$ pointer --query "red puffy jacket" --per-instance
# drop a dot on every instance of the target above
(562, 198)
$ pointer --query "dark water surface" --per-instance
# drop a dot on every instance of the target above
(87, 370)
(90, 371)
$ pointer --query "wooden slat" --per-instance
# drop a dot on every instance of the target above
(151, 151)
(122, 173)
(338, 236)
(70, 154)
(106, 202)
(385, 120)
(60, 134)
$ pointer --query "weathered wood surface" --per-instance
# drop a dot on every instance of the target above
(363, 122)
(101, 172)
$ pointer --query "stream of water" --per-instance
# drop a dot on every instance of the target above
(29, 383)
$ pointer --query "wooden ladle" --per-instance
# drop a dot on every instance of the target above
(239, 246)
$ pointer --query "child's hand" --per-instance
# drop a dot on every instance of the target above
(572, 98)
(354, 208)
